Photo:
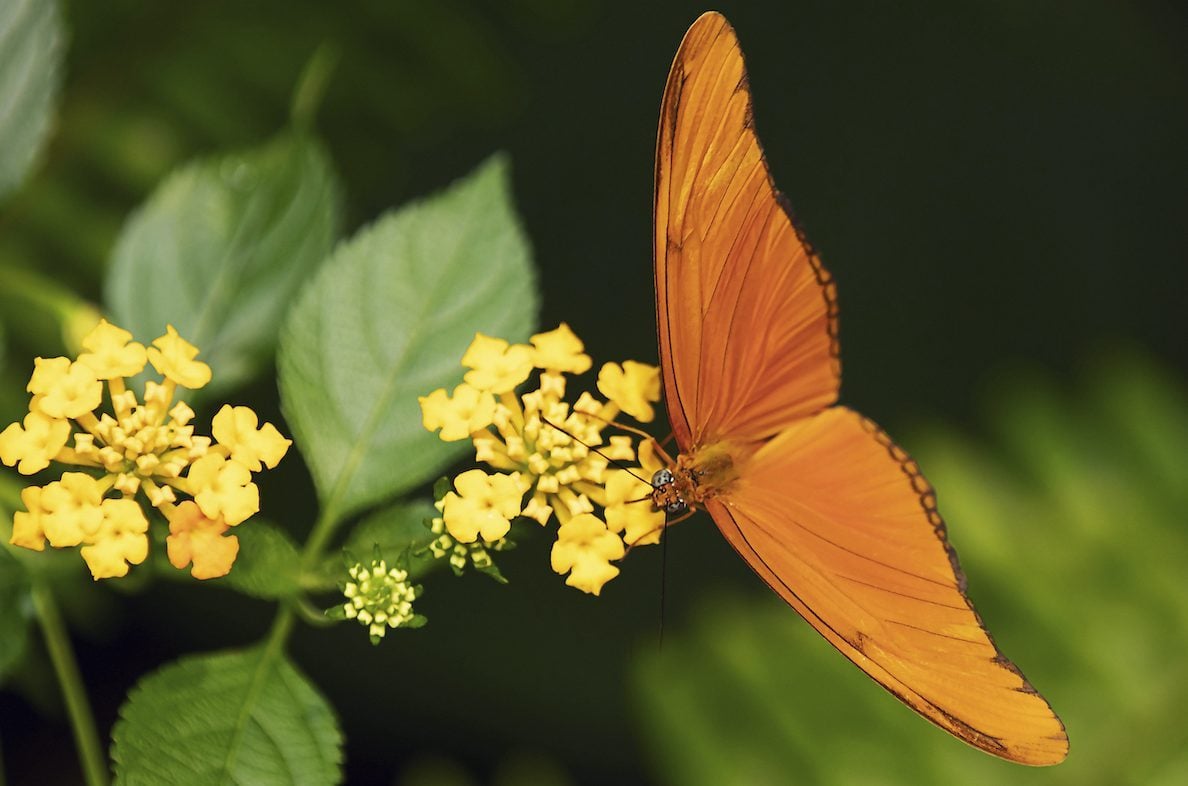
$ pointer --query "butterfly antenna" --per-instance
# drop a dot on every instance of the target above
(663, 582)
(639, 432)
(610, 460)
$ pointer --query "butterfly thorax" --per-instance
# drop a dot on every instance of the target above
(698, 476)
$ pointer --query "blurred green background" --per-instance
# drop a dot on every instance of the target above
(999, 189)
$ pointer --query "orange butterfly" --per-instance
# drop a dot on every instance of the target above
(832, 514)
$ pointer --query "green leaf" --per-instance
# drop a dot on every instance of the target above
(393, 530)
(31, 45)
(267, 565)
(386, 320)
(220, 250)
(493, 571)
(235, 717)
(15, 611)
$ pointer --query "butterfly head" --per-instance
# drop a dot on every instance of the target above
(665, 495)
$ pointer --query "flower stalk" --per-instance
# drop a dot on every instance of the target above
(78, 707)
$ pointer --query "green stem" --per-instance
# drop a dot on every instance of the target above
(37, 305)
(322, 530)
(311, 86)
(82, 722)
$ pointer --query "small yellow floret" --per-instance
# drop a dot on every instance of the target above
(483, 505)
(121, 540)
(195, 538)
(633, 386)
(235, 427)
(223, 489)
(28, 528)
(559, 351)
(74, 393)
(35, 444)
(47, 373)
(468, 411)
(71, 509)
(496, 366)
(173, 357)
(112, 352)
(584, 549)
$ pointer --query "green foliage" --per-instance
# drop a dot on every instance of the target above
(15, 610)
(236, 717)
(220, 250)
(396, 531)
(31, 44)
(386, 320)
(1076, 553)
(268, 563)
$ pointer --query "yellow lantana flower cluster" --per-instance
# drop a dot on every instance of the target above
(552, 459)
(140, 450)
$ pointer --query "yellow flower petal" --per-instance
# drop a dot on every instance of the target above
(468, 411)
(35, 444)
(71, 509)
(235, 427)
(47, 373)
(27, 528)
(112, 353)
(71, 394)
(633, 386)
(584, 549)
(560, 351)
(120, 542)
(483, 505)
(223, 489)
(195, 538)
(496, 366)
(173, 357)
(629, 508)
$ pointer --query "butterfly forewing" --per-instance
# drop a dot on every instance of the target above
(820, 502)
(745, 313)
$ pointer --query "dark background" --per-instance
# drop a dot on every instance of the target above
(993, 185)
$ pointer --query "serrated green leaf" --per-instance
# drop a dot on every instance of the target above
(267, 564)
(31, 45)
(228, 718)
(220, 250)
(15, 611)
(386, 320)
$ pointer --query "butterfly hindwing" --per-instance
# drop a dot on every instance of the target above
(841, 524)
